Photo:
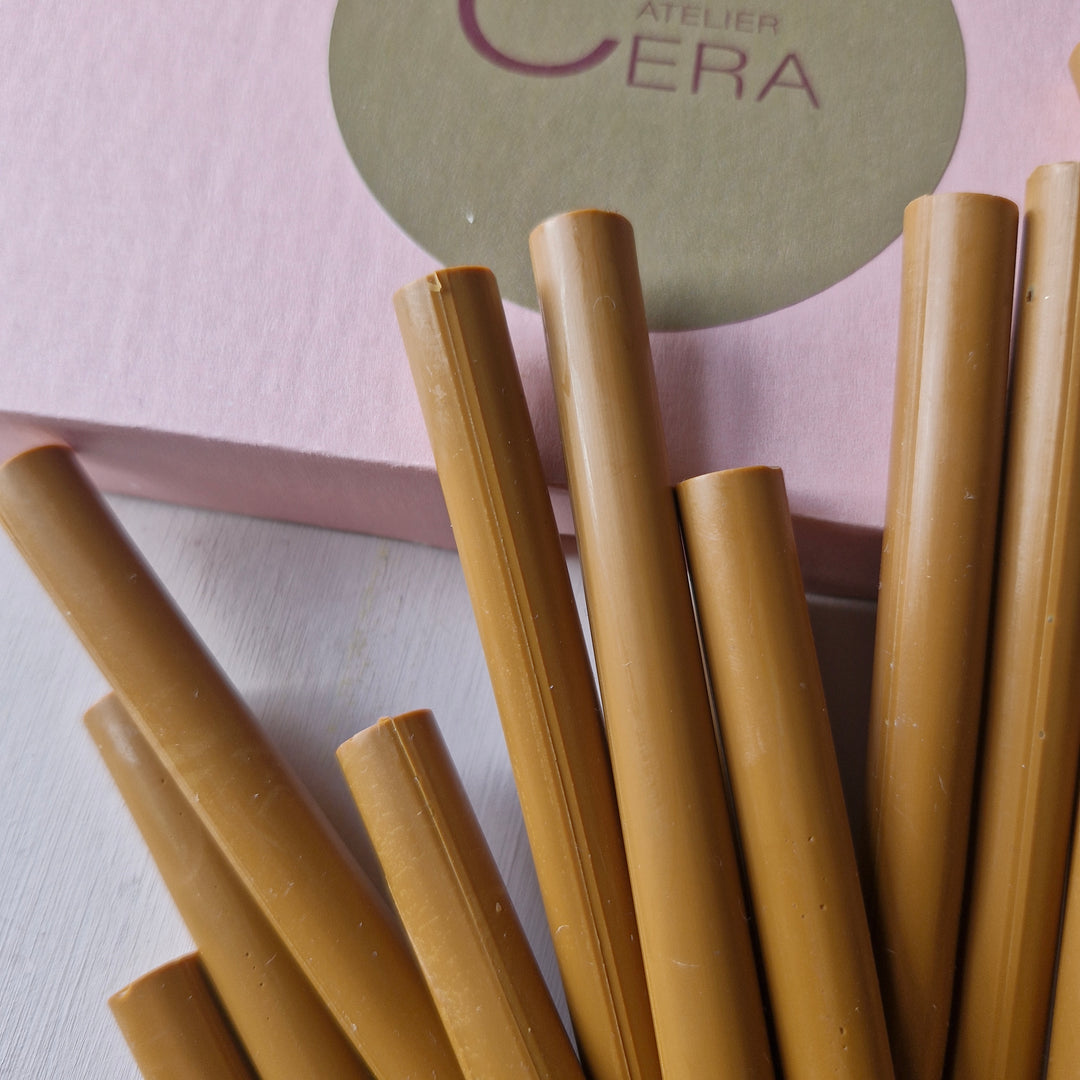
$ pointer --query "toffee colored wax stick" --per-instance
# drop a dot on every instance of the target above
(695, 939)
(174, 1026)
(462, 360)
(1074, 67)
(473, 951)
(800, 859)
(316, 897)
(933, 604)
(1064, 1050)
(1031, 743)
(280, 1020)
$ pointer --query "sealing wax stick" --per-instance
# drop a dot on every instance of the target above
(314, 894)
(785, 781)
(455, 908)
(1064, 1049)
(175, 1028)
(695, 939)
(1074, 67)
(1031, 744)
(933, 604)
(478, 421)
(279, 1019)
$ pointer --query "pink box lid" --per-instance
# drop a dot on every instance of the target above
(196, 282)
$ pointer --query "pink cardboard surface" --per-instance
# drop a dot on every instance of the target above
(195, 281)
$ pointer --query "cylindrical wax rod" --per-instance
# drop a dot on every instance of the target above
(695, 939)
(326, 911)
(1074, 67)
(280, 1020)
(1063, 1062)
(1032, 739)
(933, 604)
(175, 1028)
(463, 364)
(800, 859)
(470, 945)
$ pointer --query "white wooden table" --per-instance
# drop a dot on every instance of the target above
(323, 633)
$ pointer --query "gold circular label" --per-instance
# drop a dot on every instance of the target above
(762, 153)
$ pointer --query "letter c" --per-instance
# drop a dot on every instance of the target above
(475, 36)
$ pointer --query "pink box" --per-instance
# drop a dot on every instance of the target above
(197, 282)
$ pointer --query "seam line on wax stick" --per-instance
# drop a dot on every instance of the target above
(596, 937)
(416, 765)
(542, 684)
(517, 579)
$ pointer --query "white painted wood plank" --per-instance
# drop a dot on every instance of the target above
(322, 632)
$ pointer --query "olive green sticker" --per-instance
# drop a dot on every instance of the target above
(761, 153)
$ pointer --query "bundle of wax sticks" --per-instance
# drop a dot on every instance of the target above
(688, 828)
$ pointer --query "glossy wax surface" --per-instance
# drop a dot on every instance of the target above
(1032, 740)
(796, 841)
(1064, 1050)
(174, 1027)
(933, 605)
(313, 892)
(280, 1020)
(681, 853)
(462, 924)
(1036, 680)
(489, 467)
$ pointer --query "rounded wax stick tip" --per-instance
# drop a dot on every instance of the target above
(255, 979)
(175, 1028)
(585, 217)
(574, 236)
(437, 281)
(453, 902)
(957, 201)
(714, 485)
(37, 447)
